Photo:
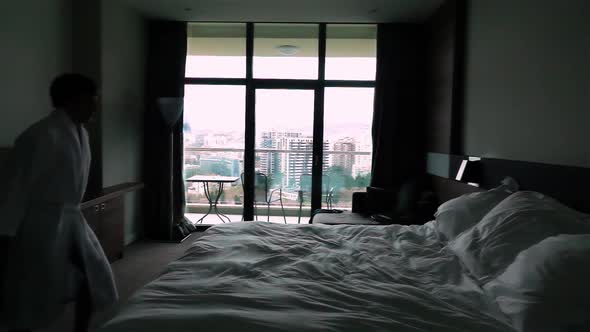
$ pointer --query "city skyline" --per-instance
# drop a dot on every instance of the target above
(299, 155)
(344, 171)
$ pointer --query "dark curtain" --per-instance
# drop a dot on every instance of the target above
(398, 121)
(165, 201)
(445, 69)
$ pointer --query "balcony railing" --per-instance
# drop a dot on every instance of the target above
(233, 198)
(258, 150)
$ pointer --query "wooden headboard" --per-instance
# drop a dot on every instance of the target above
(568, 184)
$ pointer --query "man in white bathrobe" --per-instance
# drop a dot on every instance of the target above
(50, 256)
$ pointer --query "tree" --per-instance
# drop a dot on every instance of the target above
(215, 168)
(275, 179)
(220, 168)
(362, 180)
(339, 178)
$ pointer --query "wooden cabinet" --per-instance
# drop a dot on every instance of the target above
(92, 215)
(105, 214)
(107, 221)
(112, 227)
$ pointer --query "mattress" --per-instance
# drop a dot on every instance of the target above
(255, 276)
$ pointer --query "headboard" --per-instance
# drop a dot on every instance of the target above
(568, 184)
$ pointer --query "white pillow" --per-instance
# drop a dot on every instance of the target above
(547, 287)
(518, 222)
(459, 214)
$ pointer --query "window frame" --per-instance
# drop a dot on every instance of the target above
(318, 85)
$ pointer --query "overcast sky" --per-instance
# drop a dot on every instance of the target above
(222, 108)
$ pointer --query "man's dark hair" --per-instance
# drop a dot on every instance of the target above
(68, 86)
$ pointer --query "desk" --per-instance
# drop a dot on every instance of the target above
(213, 201)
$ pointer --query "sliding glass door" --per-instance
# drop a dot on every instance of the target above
(284, 149)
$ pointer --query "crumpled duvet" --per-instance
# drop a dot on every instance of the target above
(254, 276)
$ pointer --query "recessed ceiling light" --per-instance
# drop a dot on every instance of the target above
(288, 49)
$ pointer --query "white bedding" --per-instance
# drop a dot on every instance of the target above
(271, 277)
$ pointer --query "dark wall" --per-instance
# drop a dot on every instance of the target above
(528, 81)
(444, 77)
(123, 39)
(510, 80)
(86, 59)
(36, 46)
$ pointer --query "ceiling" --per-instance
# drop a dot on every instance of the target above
(316, 11)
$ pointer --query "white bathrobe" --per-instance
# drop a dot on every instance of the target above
(52, 251)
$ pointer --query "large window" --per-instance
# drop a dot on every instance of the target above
(348, 115)
(214, 138)
(288, 51)
(351, 52)
(216, 50)
(279, 101)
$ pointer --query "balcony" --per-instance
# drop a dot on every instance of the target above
(345, 171)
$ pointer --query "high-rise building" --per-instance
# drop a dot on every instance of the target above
(269, 162)
(344, 160)
(295, 160)
(199, 140)
(299, 159)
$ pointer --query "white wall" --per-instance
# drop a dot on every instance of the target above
(122, 63)
(36, 47)
(528, 80)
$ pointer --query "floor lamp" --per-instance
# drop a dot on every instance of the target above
(171, 110)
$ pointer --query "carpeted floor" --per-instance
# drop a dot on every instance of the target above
(142, 262)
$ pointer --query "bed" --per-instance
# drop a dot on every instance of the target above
(455, 273)
(259, 276)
